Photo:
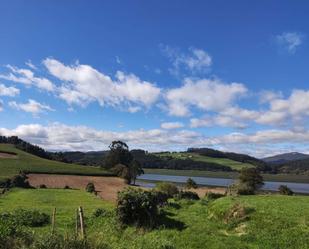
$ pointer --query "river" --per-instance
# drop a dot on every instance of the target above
(211, 181)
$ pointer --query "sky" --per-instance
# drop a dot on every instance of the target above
(158, 75)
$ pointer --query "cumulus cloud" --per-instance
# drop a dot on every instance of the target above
(58, 136)
(84, 84)
(26, 77)
(8, 91)
(196, 60)
(290, 40)
(204, 94)
(294, 108)
(172, 125)
(31, 106)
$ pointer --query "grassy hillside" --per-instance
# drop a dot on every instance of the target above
(272, 221)
(200, 158)
(27, 162)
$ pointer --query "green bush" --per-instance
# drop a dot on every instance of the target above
(90, 187)
(137, 207)
(168, 188)
(188, 195)
(60, 242)
(20, 181)
(30, 218)
(285, 190)
(161, 197)
(42, 186)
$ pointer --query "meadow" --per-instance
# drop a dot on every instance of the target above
(272, 221)
(196, 157)
(33, 164)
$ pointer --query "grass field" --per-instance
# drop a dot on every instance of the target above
(196, 157)
(221, 174)
(25, 161)
(274, 221)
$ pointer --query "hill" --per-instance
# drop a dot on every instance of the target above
(286, 157)
(234, 165)
(260, 221)
(299, 167)
(23, 161)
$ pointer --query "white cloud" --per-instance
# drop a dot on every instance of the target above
(290, 40)
(26, 77)
(196, 60)
(295, 108)
(63, 137)
(32, 106)
(172, 125)
(31, 65)
(219, 120)
(134, 109)
(1, 105)
(8, 91)
(84, 84)
(204, 94)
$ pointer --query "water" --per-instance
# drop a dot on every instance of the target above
(223, 182)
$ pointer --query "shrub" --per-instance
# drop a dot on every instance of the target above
(31, 218)
(67, 187)
(161, 197)
(60, 242)
(189, 195)
(42, 186)
(168, 188)
(90, 187)
(20, 181)
(191, 183)
(137, 207)
(240, 189)
(285, 190)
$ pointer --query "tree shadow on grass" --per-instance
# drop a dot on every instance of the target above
(167, 222)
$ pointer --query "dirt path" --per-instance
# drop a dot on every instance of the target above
(107, 187)
(7, 155)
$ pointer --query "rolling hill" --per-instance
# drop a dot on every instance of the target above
(286, 157)
(234, 165)
(23, 161)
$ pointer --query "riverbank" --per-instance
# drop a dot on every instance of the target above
(230, 175)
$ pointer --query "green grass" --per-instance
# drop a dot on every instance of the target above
(65, 201)
(196, 157)
(27, 162)
(274, 222)
(233, 175)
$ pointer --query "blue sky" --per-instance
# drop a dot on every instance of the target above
(232, 75)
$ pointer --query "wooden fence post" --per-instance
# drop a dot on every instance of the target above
(82, 224)
(53, 221)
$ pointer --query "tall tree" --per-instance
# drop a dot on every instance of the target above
(119, 154)
(136, 170)
(251, 178)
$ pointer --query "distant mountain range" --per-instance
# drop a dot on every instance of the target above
(286, 157)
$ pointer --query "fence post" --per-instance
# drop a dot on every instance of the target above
(76, 222)
(53, 221)
(81, 220)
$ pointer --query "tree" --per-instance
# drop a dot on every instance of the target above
(250, 180)
(135, 170)
(119, 154)
(191, 183)
(120, 160)
(285, 190)
(90, 187)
